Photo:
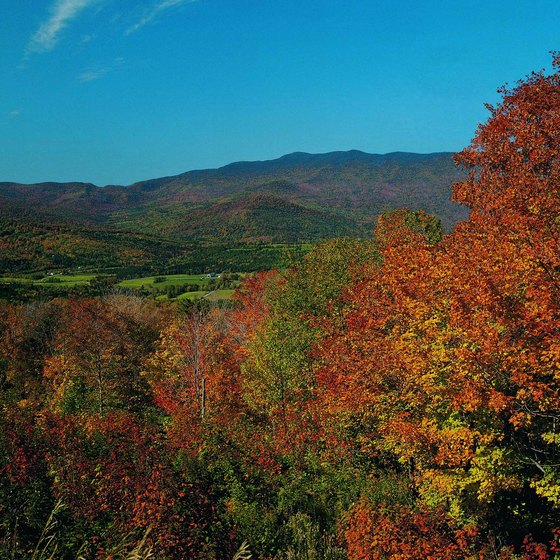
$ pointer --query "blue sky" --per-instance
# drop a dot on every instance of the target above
(115, 91)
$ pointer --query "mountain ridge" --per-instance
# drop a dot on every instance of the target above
(299, 197)
(298, 155)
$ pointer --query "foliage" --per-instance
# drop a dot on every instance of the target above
(393, 398)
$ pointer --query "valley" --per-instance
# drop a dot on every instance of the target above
(243, 217)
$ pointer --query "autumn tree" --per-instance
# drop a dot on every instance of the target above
(513, 189)
(194, 373)
(27, 334)
(100, 354)
(446, 362)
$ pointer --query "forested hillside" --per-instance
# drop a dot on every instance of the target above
(395, 397)
(218, 219)
(295, 199)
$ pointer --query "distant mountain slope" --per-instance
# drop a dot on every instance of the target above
(263, 216)
(25, 246)
(297, 197)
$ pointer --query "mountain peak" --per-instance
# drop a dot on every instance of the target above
(346, 189)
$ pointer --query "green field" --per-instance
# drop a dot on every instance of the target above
(16, 280)
(158, 285)
(220, 294)
(214, 295)
(191, 295)
(55, 280)
(171, 280)
(67, 279)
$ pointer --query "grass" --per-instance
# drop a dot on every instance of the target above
(67, 279)
(214, 295)
(220, 294)
(59, 282)
(16, 280)
(191, 295)
(171, 280)
(147, 281)
(55, 280)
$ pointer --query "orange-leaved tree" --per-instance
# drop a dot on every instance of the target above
(447, 364)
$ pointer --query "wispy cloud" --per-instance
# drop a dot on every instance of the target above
(94, 73)
(154, 12)
(62, 13)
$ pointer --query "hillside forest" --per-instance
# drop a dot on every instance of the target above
(396, 397)
(243, 217)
